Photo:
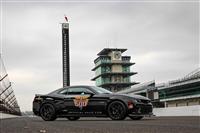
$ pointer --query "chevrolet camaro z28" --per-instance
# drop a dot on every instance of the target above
(89, 101)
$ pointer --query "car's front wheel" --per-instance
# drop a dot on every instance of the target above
(117, 110)
(136, 117)
(73, 118)
(47, 112)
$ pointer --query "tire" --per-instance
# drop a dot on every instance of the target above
(117, 110)
(136, 117)
(47, 112)
(73, 118)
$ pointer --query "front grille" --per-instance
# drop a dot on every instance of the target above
(142, 109)
(145, 109)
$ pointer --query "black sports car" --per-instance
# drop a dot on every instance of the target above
(86, 101)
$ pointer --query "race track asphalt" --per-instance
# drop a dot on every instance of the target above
(101, 125)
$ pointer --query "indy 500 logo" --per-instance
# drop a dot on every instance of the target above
(81, 101)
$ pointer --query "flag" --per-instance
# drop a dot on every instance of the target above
(66, 18)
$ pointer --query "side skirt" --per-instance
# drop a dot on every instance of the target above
(81, 114)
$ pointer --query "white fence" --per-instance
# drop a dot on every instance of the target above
(169, 111)
(178, 111)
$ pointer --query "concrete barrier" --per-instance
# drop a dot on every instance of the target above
(4, 116)
(178, 111)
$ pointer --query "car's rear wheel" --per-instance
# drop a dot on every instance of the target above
(73, 118)
(136, 117)
(117, 110)
(47, 112)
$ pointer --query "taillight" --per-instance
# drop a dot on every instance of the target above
(38, 98)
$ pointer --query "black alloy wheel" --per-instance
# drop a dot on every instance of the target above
(117, 110)
(47, 112)
(136, 117)
(73, 118)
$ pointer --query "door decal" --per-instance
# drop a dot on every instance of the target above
(81, 101)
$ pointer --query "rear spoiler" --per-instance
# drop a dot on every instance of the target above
(38, 95)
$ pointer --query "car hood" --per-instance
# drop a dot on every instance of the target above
(132, 96)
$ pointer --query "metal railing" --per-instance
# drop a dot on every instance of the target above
(8, 102)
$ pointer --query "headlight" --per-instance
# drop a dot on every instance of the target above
(142, 101)
(137, 100)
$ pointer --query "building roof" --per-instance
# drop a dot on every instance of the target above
(105, 51)
(169, 86)
(139, 87)
(113, 63)
(115, 73)
(101, 56)
(118, 84)
(192, 77)
(180, 98)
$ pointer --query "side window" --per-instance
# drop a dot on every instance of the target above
(78, 91)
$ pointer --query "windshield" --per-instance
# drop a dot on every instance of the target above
(58, 90)
(101, 90)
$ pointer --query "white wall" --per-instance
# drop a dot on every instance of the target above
(4, 116)
(178, 111)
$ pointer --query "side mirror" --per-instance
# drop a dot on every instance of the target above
(91, 94)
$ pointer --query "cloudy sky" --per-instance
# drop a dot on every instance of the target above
(161, 37)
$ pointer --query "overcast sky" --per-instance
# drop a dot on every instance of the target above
(162, 38)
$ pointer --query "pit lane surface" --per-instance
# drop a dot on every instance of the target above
(101, 125)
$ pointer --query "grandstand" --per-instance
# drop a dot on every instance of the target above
(8, 102)
(140, 89)
(181, 92)
(147, 89)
